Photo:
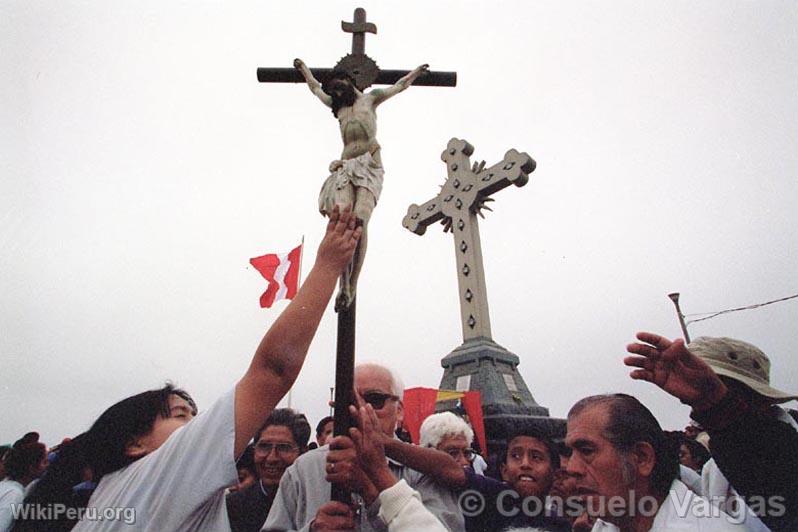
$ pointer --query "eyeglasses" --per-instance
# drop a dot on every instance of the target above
(468, 454)
(281, 448)
(377, 399)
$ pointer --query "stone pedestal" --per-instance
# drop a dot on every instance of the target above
(482, 364)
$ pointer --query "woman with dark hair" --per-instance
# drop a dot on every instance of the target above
(158, 467)
(24, 463)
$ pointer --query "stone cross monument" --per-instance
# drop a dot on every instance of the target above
(479, 363)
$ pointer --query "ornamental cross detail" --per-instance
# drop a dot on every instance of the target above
(460, 200)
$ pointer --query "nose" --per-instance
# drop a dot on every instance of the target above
(273, 455)
(575, 465)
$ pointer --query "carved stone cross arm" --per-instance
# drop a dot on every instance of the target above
(458, 203)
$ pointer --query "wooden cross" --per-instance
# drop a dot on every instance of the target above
(365, 72)
(458, 203)
(358, 65)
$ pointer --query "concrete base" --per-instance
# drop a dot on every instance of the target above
(482, 364)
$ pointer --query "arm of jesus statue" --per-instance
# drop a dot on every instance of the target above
(380, 95)
(313, 83)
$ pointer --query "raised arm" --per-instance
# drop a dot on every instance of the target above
(437, 464)
(380, 95)
(313, 83)
(282, 351)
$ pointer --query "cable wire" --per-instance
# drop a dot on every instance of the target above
(710, 315)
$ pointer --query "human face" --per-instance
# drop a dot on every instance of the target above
(375, 379)
(600, 470)
(180, 413)
(322, 438)
(528, 466)
(457, 447)
(272, 464)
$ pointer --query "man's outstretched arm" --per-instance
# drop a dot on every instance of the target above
(313, 83)
(282, 351)
(380, 95)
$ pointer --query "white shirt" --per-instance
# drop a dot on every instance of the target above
(402, 511)
(178, 487)
(684, 510)
(479, 464)
(11, 492)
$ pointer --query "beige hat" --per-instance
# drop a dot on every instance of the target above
(740, 361)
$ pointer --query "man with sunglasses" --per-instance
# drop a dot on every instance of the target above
(303, 498)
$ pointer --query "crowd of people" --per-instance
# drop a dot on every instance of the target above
(152, 462)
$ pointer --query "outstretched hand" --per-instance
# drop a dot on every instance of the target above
(672, 367)
(340, 241)
(369, 444)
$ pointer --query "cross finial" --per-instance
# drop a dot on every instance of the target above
(358, 28)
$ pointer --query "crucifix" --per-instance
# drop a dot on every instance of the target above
(355, 179)
(460, 200)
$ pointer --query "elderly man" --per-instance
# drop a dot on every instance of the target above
(303, 499)
(626, 471)
(449, 433)
(754, 443)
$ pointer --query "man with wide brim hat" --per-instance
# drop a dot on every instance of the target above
(742, 362)
(753, 441)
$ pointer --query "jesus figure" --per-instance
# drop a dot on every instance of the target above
(355, 179)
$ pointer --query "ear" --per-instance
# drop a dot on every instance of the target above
(645, 458)
(400, 412)
(503, 470)
(135, 448)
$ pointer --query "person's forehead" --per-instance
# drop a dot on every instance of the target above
(527, 443)
(370, 379)
(588, 425)
(177, 402)
(453, 440)
(328, 426)
(276, 433)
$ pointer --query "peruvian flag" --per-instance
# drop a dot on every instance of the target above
(282, 272)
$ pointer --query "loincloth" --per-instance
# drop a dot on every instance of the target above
(363, 171)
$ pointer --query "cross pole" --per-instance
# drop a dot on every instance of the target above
(458, 203)
(365, 72)
(357, 64)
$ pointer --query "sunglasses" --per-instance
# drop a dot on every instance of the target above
(281, 448)
(377, 399)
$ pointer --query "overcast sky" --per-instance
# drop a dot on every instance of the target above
(142, 165)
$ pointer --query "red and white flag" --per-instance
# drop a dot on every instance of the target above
(282, 272)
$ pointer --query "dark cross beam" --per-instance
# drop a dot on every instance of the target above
(459, 201)
(358, 28)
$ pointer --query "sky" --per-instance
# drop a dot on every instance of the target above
(142, 165)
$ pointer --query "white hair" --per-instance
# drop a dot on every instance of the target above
(438, 426)
(397, 386)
